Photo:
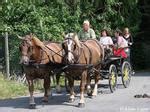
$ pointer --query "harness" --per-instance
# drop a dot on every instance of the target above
(89, 52)
(42, 50)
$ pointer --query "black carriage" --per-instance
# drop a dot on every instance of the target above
(116, 66)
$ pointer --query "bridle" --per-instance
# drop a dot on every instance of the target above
(74, 50)
(68, 42)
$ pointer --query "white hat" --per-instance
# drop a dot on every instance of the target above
(86, 22)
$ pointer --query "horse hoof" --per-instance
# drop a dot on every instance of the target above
(32, 106)
(71, 100)
(81, 105)
(89, 94)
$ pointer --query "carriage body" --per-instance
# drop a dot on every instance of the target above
(114, 67)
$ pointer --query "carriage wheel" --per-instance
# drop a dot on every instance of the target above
(126, 73)
(67, 85)
(112, 78)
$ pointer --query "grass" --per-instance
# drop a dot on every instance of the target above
(10, 89)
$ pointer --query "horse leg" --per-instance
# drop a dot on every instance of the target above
(71, 86)
(58, 88)
(31, 89)
(88, 86)
(47, 89)
(82, 88)
(96, 84)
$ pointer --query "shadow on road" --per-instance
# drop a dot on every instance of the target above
(23, 102)
(143, 74)
(58, 99)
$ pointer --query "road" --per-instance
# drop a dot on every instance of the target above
(122, 100)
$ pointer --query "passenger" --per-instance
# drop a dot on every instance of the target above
(86, 32)
(121, 42)
(120, 45)
(127, 36)
(129, 39)
(106, 43)
(105, 39)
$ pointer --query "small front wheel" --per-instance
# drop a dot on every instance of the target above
(112, 77)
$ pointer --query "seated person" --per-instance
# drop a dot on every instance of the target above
(120, 45)
(127, 36)
(106, 42)
(86, 32)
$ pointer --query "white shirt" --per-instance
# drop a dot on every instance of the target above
(106, 41)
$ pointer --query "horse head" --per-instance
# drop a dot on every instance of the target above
(70, 44)
(26, 48)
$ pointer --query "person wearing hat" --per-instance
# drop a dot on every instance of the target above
(86, 32)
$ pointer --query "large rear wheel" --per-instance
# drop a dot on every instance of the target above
(112, 77)
(126, 73)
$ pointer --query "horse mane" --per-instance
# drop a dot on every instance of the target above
(37, 41)
(76, 39)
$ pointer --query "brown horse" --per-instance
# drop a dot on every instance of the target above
(88, 52)
(39, 60)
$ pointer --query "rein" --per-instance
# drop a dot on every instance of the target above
(32, 61)
(55, 52)
(89, 52)
(79, 54)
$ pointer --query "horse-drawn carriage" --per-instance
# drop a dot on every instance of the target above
(77, 59)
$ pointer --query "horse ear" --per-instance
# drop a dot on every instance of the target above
(22, 38)
(74, 35)
(63, 34)
(32, 35)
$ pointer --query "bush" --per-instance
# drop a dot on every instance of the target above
(48, 20)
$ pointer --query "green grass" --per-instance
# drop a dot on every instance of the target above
(10, 89)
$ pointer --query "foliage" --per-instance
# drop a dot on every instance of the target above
(142, 40)
(48, 19)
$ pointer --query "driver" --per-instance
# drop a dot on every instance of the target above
(86, 32)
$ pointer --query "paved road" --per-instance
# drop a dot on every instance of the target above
(122, 100)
